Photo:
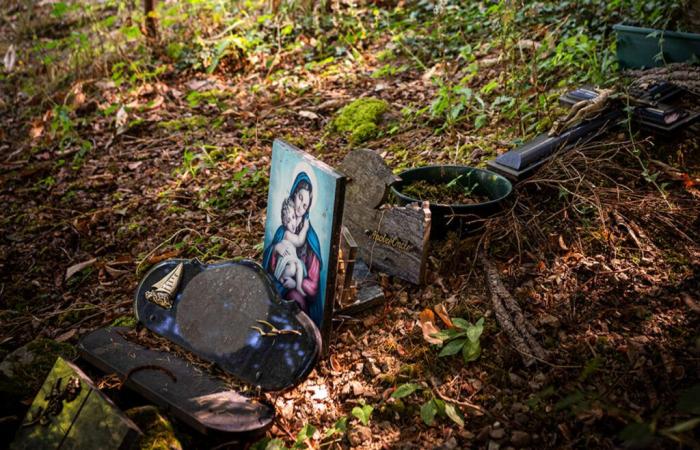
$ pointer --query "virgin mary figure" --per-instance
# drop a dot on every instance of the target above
(309, 253)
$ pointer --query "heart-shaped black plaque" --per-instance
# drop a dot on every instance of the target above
(230, 313)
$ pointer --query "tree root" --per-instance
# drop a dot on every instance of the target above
(511, 318)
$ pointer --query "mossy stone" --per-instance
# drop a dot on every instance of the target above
(360, 119)
(158, 432)
(23, 371)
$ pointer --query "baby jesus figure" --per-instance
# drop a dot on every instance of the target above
(290, 270)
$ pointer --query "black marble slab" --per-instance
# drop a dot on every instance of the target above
(196, 398)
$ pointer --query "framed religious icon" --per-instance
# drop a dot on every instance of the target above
(302, 231)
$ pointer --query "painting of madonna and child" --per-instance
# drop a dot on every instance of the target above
(304, 211)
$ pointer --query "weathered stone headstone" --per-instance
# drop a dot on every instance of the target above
(70, 412)
(390, 238)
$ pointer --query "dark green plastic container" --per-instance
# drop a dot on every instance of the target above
(646, 47)
(467, 218)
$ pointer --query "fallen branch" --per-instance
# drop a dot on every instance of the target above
(511, 318)
(463, 403)
(680, 74)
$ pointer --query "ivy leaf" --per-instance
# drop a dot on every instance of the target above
(59, 9)
(452, 347)
(269, 444)
(480, 121)
(363, 413)
(637, 435)
(474, 331)
(339, 427)
(276, 444)
(428, 411)
(405, 390)
(440, 405)
(131, 33)
(471, 351)
(454, 414)
(461, 323)
(493, 84)
(446, 335)
(304, 434)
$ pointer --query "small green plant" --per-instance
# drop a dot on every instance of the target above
(456, 103)
(303, 438)
(640, 434)
(432, 407)
(464, 338)
(363, 413)
(468, 189)
(47, 183)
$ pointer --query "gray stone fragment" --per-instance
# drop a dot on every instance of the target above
(520, 438)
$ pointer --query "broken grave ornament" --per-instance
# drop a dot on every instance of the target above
(70, 412)
(230, 313)
(163, 292)
(392, 239)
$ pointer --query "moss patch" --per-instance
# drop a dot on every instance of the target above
(76, 313)
(360, 119)
(24, 370)
(125, 321)
(187, 123)
(447, 194)
(158, 432)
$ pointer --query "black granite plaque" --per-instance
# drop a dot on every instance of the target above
(230, 313)
(201, 401)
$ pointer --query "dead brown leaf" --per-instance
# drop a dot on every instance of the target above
(426, 321)
(36, 130)
(562, 244)
(75, 268)
(154, 259)
(441, 311)
(65, 336)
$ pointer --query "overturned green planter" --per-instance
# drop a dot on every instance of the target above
(639, 47)
(492, 189)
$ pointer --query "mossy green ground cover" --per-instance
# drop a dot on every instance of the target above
(360, 119)
(129, 151)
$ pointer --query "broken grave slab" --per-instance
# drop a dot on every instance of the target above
(198, 399)
(69, 412)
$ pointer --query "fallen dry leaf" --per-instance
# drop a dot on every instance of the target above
(121, 120)
(65, 336)
(441, 311)
(308, 115)
(134, 165)
(426, 322)
(154, 259)
(36, 130)
(115, 273)
(10, 58)
(562, 244)
(75, 268)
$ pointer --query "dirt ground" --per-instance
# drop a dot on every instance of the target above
(603, 263)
